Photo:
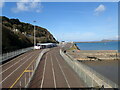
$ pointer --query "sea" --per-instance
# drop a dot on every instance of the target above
(108, 69)
(113, 45)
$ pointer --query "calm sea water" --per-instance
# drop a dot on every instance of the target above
(103, 67)
(108, 69)
(98, 46)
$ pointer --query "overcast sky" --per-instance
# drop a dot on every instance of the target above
(69, 21)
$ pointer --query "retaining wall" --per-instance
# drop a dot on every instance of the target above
(88, 75)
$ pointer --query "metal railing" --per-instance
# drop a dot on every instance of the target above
(27, 75)
(35, 65)
(12, 54)
(88, 75)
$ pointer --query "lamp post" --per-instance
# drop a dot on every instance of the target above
(34, 36)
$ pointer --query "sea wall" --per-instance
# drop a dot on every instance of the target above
(88, 75)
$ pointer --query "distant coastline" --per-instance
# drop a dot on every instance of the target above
(109, 45)
(92, 55)
(96, 41)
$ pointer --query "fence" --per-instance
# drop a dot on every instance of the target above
(88, 75)
(27, 75)
(10, 55)
(35, 65)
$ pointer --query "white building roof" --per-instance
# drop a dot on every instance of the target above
(45, 44)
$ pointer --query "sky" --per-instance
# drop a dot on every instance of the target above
(68, 21)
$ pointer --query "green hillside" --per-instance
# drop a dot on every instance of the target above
(16, 34)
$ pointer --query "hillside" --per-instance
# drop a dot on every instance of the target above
(16, 34)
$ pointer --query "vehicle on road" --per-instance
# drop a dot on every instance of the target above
(37, 47)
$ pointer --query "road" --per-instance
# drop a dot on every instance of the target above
(54, 72)
(16, 72)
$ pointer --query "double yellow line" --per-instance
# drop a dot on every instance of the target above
(21, 74)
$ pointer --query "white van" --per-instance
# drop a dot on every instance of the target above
(37, 47)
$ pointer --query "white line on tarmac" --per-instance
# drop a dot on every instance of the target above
(63, 72)
(53, 72)
(16, 69)
(43, 73)
(15, 64)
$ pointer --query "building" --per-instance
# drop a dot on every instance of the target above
(16, 30)
(45, 45)
(24, 33)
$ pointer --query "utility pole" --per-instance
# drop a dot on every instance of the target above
(34, 36)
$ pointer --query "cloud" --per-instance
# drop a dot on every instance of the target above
(1, 4)
(28, 5)
(117, 37)
(101, 8)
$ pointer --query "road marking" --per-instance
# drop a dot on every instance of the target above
(11, 60)
(22, 73)
(43, 73)
(15, 69)
(15, 64)
(53, 71)
(17, 80)
(63, 72)
(28, 71)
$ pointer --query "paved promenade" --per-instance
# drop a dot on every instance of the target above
(14, 71)
(54, 72)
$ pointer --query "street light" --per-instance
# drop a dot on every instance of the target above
(34, 36)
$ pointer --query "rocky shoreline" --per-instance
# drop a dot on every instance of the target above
(92, 55)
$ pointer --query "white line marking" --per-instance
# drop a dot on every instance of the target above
(43, 72)
(11, 60)
(15, 63)
(53, 71)
(63, 72)
(16, 69)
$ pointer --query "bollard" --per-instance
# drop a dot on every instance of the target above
(25, 79)
(20, 84)
(29, 76)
